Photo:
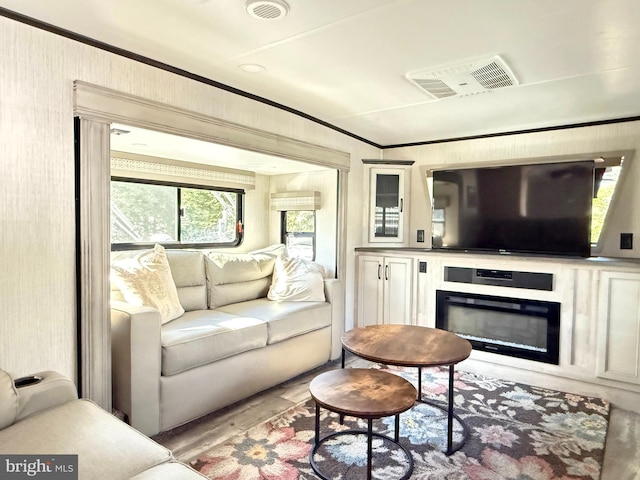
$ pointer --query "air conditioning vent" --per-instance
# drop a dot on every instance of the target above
(492, 76)
(435, 87)
(471, 78)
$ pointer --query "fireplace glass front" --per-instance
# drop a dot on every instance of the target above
(509, 326)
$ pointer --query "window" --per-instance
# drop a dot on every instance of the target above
(146, 213)
(299, 233)
(606, 179)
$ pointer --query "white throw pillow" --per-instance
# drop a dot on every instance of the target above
(295, 279)
(145, 280)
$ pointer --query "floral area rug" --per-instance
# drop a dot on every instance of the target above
(515, 432)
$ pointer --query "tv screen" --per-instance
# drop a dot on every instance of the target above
(538, 209)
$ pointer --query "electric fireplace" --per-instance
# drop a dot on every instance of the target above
(516, 327)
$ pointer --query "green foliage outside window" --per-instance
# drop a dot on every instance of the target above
(142, 212)
(301, 221)
(146, 213)
(208, 215)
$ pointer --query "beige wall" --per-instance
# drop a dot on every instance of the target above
(37, 234)
(325, 182)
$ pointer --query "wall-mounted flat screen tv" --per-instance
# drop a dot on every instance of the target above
(533, 209)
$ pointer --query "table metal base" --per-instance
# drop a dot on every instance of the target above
(451, 448)
(448, 409)
(370, 434)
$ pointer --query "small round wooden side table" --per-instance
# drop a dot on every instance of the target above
(363, 393)
(413, 346)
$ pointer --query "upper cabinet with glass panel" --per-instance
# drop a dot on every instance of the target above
(386, 205)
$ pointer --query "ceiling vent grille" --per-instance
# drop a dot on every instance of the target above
(267, 10)
(471, 78)
(435, 87)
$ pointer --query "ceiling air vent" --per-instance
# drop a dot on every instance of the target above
(471, 78)
(267, 10)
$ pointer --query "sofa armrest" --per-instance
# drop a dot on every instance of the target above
(48, 389)
(136, 353)
(334, 293)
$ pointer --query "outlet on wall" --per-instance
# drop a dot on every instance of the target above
(420, 236)
(626, 241)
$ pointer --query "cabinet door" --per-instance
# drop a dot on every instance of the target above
(386, 205)
(369, 290)
(619, 327)
(397, 275)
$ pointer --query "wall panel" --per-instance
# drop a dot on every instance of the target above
(37, 218)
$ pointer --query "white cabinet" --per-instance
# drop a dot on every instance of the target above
(385, 286)
(386, 205)
(619, 326)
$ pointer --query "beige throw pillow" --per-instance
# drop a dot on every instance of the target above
(145, 280)
(295, 279)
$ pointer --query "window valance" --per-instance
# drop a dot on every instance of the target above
(153, 168)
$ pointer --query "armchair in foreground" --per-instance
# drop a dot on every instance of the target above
(42, 420)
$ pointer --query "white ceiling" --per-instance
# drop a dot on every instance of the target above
(125, 138)
(344, 61)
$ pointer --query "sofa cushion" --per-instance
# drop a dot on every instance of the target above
(106, 447)
(296, 279)
(145, 280)
(237, 268)
(284, 319)
(204, 336)
(225, 294)
(8, 400)
(187, 270)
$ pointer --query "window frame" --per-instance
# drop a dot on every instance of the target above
(284, 232)
(178, 244)
(619, 162)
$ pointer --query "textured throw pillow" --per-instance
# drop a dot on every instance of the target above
(295, 279)
(223, 268)
(145, 280)
(273, 250)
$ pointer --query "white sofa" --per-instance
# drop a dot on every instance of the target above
(231, 341)
(46, 419)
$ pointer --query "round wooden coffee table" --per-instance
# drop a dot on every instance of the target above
(363, 393)
(412, 346)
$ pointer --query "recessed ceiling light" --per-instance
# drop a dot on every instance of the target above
(251, 68)
(267, 9)
(119, 131)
